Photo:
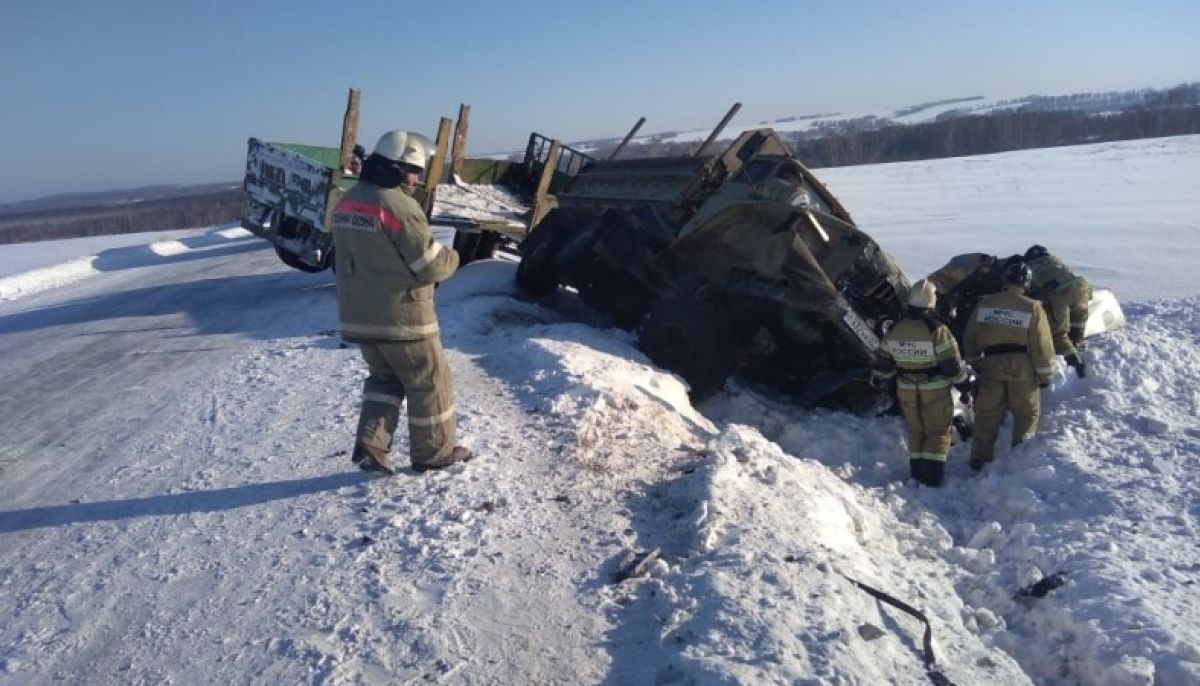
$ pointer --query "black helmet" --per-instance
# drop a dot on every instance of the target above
(1035, 252)
(1018, 274)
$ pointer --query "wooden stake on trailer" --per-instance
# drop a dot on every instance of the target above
(540, 203)
(349, 133)
(628, 137)
(349, 128)
(720, 127)
(437, 165)
(460, 139)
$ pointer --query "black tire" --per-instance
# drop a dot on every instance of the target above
(608, 291)
(535, 272)
(692, 338)
(488, 241)
(291, 260)
(466, 244)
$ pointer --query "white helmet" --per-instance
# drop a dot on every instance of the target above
(923, 295)
(404, 147)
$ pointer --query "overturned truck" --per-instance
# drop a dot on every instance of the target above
(742, 260)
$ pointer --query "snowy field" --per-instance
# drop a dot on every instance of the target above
(1127, 215)
(177, 503)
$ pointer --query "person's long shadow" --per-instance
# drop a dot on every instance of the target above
(204, 246)
(229, 304)
(175, 504)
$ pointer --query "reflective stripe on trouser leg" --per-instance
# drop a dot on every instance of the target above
(421, 366)
(383, 394)
(990, 406)
(1025, 402)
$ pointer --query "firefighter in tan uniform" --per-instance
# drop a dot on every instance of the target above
(1065, 297)
(962, 281)
(387, 266)
(959, 270)
(1007, 341)
(920, 352)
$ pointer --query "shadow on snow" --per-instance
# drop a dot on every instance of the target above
(175, 504)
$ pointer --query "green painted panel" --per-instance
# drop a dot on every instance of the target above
(483, 171)
(326, 156)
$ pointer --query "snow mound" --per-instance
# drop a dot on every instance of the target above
(755, 588)
(1103, 495)
(40, 279)
(36, 280)
(594, 380)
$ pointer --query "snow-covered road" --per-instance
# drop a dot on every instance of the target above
(177, 503)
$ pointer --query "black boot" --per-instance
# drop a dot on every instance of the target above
(928, 472)
(370, 460)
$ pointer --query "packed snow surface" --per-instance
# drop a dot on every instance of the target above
(177, 503)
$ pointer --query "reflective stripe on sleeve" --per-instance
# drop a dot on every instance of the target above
(434, 420)
(428, 257)
(373, 397)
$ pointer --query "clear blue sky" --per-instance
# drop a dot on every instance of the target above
(105, 95)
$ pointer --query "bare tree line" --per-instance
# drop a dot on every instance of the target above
(963, 135)
(209, 209)
(999, 132)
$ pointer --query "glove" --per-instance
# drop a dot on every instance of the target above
(1077, 364)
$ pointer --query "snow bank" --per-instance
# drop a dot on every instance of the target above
(45, 278)
(755, 586)
(595, 378)
(112, 252)
(1104, 494)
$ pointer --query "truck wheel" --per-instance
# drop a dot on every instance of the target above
(466, 244)
(488, 241)
(535, 271)
(291, 260)
(693, 339)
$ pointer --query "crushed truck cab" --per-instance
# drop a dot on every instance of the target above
(739, 261)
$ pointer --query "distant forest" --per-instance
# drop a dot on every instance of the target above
(208, 209)
(1000, 132)
(1037, 122)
